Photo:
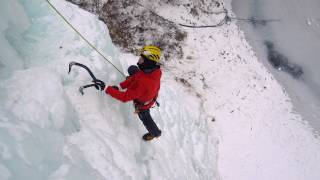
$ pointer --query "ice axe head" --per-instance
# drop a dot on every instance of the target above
(70, 65)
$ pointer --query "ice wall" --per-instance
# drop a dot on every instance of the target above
(36, 116)
(11, 27)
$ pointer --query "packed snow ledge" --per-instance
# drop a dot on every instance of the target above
(222, 114)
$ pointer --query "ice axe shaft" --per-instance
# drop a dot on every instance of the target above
(83, 66)
(86, 86)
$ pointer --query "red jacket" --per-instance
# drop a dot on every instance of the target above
(142, 87)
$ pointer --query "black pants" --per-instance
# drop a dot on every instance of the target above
(148, 122)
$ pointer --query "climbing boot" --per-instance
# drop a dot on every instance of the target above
(147, 137)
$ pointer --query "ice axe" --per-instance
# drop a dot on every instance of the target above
(90, 73)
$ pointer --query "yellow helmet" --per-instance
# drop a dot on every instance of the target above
(153, 53)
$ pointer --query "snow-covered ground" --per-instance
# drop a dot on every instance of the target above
(222, 114)
(296, 35)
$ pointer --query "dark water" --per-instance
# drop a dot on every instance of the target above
(286, 36)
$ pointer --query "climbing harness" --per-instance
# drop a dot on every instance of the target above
(138, 105)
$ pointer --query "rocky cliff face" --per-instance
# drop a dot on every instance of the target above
(93, 6)
(133, 24)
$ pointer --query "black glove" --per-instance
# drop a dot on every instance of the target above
(101, 85)
(116, 87)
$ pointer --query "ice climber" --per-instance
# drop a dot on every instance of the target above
(142, 87)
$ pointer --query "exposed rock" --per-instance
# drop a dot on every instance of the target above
(92, 6)
(281, 62)
(135, 23)
(132, 26)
